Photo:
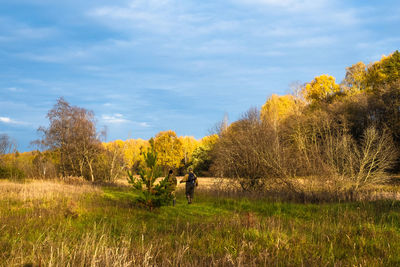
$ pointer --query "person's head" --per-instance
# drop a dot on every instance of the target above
(190, 169)
(170, 172)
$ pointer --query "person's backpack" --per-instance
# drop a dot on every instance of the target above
(191, 178)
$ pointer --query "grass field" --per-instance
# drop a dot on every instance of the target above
(45, 223)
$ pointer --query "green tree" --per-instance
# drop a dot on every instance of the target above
(202, 155)
(387, 70)
(152, 195)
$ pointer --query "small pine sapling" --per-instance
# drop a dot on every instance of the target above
(151, 195)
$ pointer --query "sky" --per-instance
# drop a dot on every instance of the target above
(145, 66)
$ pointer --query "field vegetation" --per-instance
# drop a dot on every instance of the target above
(54, 223)
(307, 180)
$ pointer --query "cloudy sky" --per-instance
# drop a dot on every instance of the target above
(145, 66)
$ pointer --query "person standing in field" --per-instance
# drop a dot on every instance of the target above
(191, 182)
(172, 183)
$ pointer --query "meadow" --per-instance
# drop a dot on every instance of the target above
(53, 223)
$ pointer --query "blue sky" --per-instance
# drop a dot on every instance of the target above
(151, 65)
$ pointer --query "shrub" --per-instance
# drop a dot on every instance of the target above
(152, 195)
(11, 172)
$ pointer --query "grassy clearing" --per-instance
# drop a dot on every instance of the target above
(54, 224)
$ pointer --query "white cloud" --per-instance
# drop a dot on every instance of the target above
(5, 119)
(197, 31)
(118, 118)
(181, 18)
(138, 14)
(321, 13)
(14, 89)
(144, 124)
(114, 119)
(289, 5)
(8, 120)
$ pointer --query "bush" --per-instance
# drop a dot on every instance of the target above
(11, 172)
(152, 195)
(243, 150)
(308, 153)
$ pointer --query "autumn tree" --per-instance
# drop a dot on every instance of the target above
(278, 108)
(202, 155)
(8, 153)
(321, 89)
(189, 144)
(387, 70)
(243, 150)
(114, 159)
(169, 149)
(354, 81)
(42, 164)
(134, 150)
(6, 144)
(72, 134)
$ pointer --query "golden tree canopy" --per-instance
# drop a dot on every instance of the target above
(209, 141)
(134, 150)
(354, 81)
(384, 71)
(169, 149)
(189, 144)
(321, 88)
(277, 108)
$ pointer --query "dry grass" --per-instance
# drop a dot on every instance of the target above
(204, 182)
(313, 191)
(43, 190)
(49, 223)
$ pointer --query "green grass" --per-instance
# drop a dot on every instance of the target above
(103, 227)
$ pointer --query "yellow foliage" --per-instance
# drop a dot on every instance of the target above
(189, 144)
(134, 149)
(321, 88)
(383, 71)
(169, 149)
(209, 141)
(355, 78)
(113, 145)
(277, 108)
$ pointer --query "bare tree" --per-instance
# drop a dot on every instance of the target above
(241, 151)
(72, 133)
(325, 149)
(114, 160)
(368, 162)
(6, 145)
(308, 153)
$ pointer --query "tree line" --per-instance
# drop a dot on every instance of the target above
(72, 146)
(336, 138)
(340, 137)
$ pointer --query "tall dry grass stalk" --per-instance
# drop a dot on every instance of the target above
(55, 224)
(42, 189)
